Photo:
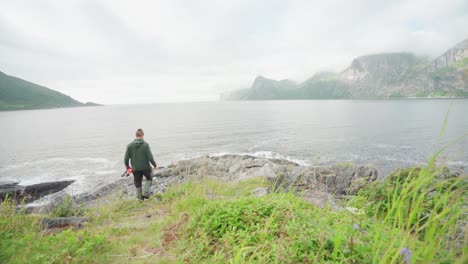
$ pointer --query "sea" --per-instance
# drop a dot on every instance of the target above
(87, 144)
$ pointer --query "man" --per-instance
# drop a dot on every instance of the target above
(139, 152)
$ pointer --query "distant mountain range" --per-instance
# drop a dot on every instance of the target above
(378, 76)
(18, 94)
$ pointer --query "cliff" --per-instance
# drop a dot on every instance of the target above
(385, 75)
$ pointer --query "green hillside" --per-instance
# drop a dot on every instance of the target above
(17, 94)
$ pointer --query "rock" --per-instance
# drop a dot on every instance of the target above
(320, 185)
(226, 168)
(321, 199)
(8, 183)
(337, 180)
(63, 222)
(261, 191)
(31, 192)
(10, 189)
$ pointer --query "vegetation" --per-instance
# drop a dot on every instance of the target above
(21, 241)
(460, 64)
(443, 74)
(67, 208)
(17, 94)
(396, 95)
(412, 216)
(324, 89)
(441, 93)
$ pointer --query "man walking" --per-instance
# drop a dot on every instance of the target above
(139, 152)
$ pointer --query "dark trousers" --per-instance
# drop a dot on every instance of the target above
(138, 177)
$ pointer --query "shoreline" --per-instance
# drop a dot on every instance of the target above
(212, 201)
(334, 179)
(259, 100)
(224, 166)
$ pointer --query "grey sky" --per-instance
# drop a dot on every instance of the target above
(159, 51)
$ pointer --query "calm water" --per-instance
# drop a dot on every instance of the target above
(87, 144)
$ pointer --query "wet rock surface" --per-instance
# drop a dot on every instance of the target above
(30, 193)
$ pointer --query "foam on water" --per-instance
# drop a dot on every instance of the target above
(60, 161)
(266, 155)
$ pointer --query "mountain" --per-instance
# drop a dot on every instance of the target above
(386, 75)
(447, 75)
(17, 94)
(378, 75)
(266, 89)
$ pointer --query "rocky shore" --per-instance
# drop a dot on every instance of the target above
(319, 185)
(29, 193)
(213, 207)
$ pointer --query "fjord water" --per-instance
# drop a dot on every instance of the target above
(88, 144)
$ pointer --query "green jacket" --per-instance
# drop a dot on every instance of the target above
(139, 152)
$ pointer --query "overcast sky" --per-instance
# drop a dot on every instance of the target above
(163, 51)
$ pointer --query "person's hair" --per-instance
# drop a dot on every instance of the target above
(139, 132)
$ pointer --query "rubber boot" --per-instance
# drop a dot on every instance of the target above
(147, 189)
(139, 194)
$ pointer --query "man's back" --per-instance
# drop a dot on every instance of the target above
(139, 152)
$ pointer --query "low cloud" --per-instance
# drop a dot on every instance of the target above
(160, 51)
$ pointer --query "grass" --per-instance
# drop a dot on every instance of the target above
(67, 207)
(212, 222)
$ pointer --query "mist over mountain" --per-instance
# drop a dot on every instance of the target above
(17, 94)
(386, 75)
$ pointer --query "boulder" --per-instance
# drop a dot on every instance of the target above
(337, 180)
(63, 222)
(261, 191)
(321, 199)
(30, 193)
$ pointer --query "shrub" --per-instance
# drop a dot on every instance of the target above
(274, 228)
(66, 208)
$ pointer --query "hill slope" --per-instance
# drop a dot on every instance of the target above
(387, 75)
(16, 94)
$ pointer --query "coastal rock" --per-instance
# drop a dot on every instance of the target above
(322, 199)
(338, 180)
(63, 222)
(261, 191)
(320, 185)
(226, 167)
(4, 184)
(30, 193)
